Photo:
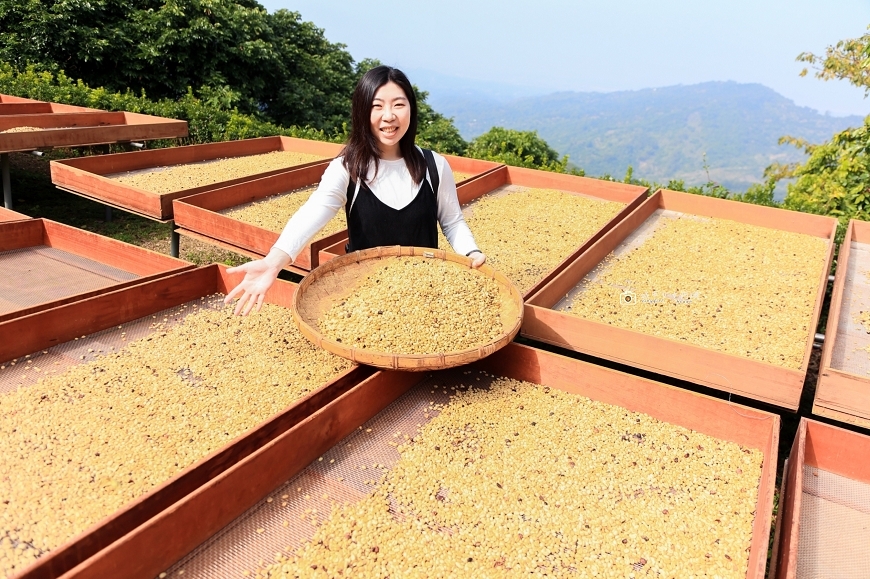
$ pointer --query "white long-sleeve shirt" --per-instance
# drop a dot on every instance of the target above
(393, 186)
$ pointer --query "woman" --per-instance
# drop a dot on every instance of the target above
(393, 192)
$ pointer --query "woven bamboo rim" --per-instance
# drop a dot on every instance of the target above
(337, 278)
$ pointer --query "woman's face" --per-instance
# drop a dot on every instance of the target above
(390, 119)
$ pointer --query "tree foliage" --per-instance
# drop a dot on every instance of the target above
(847, 60)
(835, 179)
(757, 194)
(517, 148)
(234, 53)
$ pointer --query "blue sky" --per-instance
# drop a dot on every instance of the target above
(545, 46)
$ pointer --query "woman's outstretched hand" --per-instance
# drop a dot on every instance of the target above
(259, 277)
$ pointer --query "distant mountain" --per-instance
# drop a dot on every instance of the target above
(662, 133)
(452, 87)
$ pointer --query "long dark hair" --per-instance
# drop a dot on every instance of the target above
(362, 147)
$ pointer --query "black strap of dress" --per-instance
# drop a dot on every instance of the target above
(372, 223)
(433, 171)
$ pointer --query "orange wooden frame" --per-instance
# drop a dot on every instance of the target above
(88, 127)
(234, 249)
(750, 378)
(5, 99)
(12, 105)
(174, 532)
(142, 262)
(842, 395)
(631, 195)
(825, 447)
(38, 108)
(474, 167)
(198, 215)
(86, 176)
(51, 327)
(9, 215)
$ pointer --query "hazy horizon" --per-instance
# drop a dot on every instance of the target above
(558, 45)
(434, 84)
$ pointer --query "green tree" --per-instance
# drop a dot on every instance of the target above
(847, 60)
(231, 52)
(518, 148)
(835, 179)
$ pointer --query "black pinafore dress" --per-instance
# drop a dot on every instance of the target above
(373, 223)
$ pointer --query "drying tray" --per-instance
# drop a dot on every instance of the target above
(751, 378)
(84, 127)
(9, 215)
(202, 216)
(48, 264)
(88, 176)
(823, 524)
(505, 179)
(68, 335)
(235, 521)
(474, 168)
(335, 279)
(10, 105)
(843, 389)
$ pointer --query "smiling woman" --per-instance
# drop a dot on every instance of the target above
(392, 191)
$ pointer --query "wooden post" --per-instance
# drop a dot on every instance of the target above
(174, 239)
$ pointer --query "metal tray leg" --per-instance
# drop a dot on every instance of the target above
(7, 181)
(174, 240)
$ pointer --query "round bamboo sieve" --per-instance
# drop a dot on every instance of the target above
(336, 279)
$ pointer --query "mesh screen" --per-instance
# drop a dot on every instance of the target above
(275, 523)
(834, 527)
(282, 520)
(852, 339)
(34, 275)
(27, 370)
(637, 238)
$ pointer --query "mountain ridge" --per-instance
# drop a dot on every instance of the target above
(720, 130)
